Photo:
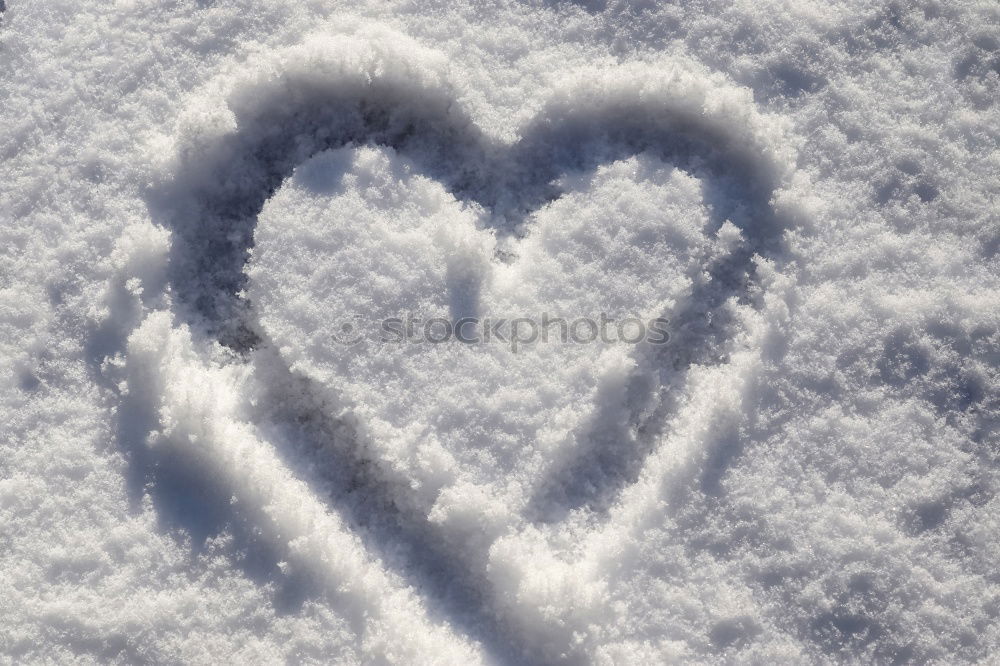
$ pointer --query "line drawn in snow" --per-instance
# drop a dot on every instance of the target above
(365, 92)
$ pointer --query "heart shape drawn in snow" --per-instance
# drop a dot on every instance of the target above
(401, 205)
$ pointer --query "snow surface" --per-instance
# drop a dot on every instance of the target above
(193, 196)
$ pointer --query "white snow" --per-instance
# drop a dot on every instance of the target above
(196, 196)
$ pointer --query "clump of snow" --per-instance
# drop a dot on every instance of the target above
(354, 237)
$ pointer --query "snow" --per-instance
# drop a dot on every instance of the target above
(195, 197)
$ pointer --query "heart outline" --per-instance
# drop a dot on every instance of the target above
(391, 116)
